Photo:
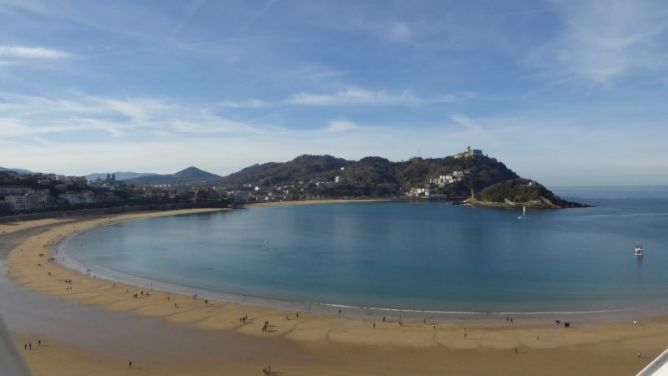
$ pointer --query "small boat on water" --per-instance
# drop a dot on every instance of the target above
(524, 212)
(639, 251)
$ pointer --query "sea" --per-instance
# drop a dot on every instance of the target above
(405, 256)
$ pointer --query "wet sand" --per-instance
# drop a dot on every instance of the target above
(164, 333)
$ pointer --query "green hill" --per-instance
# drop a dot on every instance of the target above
(521, 192)
(475, 177)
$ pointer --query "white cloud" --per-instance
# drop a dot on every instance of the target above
(251, 103)
(465, 121)
(399, 32)
(23, 52)
(22, 115)
(605, 40)
(359, 96)
(351, 96)
(384, 29)
(341, 126)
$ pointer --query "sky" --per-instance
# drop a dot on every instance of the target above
(564, 92)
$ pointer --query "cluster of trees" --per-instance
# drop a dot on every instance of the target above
(524, 191)
(516, 190)
(302, 168)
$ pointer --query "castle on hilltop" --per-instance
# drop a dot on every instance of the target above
(469, 153)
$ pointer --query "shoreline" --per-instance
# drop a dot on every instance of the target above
(363, 312)
(56, 248)
(31, 270)
(327, 308)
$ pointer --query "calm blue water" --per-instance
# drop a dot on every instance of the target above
(430, 256)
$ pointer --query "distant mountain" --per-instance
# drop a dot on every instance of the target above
(19, 170)
(463, 176)
(194, 173)
(188, 176)
(120, 175)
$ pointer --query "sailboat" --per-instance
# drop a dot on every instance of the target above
(524, 213)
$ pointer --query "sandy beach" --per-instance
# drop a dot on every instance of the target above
(294, 343)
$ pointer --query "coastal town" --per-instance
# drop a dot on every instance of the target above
(22, 191)
(454, 178)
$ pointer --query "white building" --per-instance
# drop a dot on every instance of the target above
(240, 196)
(419, 192)
(38, 199)
(469, 153)
(452, 178)
(17, 202)
(78, 198)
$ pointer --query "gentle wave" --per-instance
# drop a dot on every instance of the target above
(601, 311)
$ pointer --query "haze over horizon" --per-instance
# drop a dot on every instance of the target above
(564, 92)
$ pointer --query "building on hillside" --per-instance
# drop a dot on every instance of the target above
(443, 180)
(469, 153)
(38, 200)
(239, 196)
(17, 202)
(78, 198)
(419, 193)
(14, 190)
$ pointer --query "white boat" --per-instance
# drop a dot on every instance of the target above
(524, 212)
(639, 251)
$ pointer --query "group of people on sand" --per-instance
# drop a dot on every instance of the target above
(243, 319)
(28, 346)
(566, 323)
(267, 370)
(265, 327)
(135, 295)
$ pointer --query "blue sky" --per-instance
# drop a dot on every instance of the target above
(566, 92)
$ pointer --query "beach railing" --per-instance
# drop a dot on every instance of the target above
(658, 367)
